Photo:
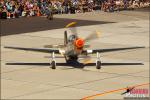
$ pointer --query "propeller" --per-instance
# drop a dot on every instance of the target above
(73, 29)
(92, 36)
(80, 42)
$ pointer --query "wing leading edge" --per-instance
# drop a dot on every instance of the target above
(35, 49)
(111, 49)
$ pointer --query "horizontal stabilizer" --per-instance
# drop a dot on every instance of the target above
(74, 64)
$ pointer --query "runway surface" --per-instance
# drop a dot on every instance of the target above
(119, 29)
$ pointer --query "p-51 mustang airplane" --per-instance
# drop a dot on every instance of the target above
(74, 47)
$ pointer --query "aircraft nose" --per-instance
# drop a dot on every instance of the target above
(79, 43)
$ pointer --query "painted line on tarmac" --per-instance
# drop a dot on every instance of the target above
(111, 91)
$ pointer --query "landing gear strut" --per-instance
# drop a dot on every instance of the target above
(53, 63)
(98, 62)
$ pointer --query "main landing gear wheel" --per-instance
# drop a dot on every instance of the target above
(98, 65)
(53, 65)
(98, 62)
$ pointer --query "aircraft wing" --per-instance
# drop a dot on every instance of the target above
(35, 49)
(110, 49)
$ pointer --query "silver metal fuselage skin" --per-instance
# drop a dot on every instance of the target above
(71, 52)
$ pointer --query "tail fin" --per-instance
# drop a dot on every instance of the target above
(65, 38)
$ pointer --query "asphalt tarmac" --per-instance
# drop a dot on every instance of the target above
(119, 29)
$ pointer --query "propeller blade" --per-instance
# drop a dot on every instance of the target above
(86, 59)
(70, 24)
(92, 36)
(72, 28)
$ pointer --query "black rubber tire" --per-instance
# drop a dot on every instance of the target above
(53, 64)
(98, 66)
